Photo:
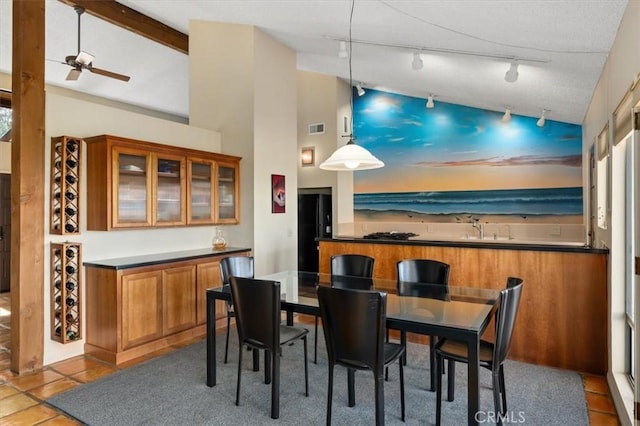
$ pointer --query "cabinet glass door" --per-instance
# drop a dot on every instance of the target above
(170, 194)
(132, 202)
(200, 197)
(227, 191)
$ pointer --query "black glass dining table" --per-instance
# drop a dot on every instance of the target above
(457, 312)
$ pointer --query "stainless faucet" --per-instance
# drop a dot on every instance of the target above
(480, 227)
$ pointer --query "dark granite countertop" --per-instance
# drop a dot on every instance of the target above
(159, 258)
(485, 244)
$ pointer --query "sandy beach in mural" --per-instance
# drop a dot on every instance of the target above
(413, 217)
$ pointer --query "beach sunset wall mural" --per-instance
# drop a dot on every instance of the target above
(454, 163)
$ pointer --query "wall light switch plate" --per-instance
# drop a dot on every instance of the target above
(555, 230)
(430, 227)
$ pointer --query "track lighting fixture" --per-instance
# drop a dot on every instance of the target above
(417, 63)
(507, 115)
(430, 101)
(542, 119)
(360, 89)
(511, 76)
(351, 156)
(342, 53)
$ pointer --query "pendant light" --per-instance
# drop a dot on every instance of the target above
(351, 156)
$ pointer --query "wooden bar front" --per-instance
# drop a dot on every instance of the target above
(562, 319)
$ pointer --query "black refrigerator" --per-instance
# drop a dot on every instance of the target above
(314, 221)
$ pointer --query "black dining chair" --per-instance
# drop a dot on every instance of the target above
(233, 266)
(353, 265)
(492, 354)
(421, 271)
(257, 307)
(354, 324)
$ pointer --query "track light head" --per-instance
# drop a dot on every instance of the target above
(511, 76)
(542, 119)
(343, 53)
(360, 90)
(430, 103)
(417, 63)
(507, 115)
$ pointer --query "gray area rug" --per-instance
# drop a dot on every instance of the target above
(171, 390)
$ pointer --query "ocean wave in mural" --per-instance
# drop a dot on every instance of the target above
(453, 163)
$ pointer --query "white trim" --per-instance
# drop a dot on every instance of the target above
(622, 396)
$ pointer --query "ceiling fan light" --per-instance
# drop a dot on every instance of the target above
(417, 63)
(511, 76)
(84, 58)
(351, 157)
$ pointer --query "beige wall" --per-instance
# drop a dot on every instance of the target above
(243, 83)
(325, 99)
(70, 116)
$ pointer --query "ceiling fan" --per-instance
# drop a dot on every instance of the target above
(83, 60)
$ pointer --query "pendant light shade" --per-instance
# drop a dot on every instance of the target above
(351, 157)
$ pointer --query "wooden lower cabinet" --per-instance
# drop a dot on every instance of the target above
(132, 312)
(208, 273)
(141, 308)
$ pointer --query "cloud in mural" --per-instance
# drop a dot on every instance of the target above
(525, 160)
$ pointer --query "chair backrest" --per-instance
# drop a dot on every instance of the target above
(257, 307)
(357, 265)
(423, 271)
(236, 266)
(351, 282)
(416, 289)
(513, 281)
(354, 324)
(505, 321)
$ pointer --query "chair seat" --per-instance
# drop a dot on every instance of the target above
(290, 333)
(458, 350)
(391, 352)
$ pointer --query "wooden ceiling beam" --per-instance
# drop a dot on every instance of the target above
(127, 18)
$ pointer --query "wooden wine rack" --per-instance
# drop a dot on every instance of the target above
(65, 185)
(66, 324)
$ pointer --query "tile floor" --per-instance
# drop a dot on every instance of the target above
(22, 397)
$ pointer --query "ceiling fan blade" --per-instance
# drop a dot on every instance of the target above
(84, 58)
(106, 73)
(73, 74)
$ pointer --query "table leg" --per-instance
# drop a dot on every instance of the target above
(351, 384)
(289, 317)
(473, 388)
(211, 340)
(256, 360)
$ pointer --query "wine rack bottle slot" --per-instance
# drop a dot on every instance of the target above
(65, 185)
(65, 292)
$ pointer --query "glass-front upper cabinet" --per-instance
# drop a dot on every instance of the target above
(169, 183)
(139, 184)
(228, 209)
(201, 189)
(131, 206)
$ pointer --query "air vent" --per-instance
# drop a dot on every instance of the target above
(316, 129)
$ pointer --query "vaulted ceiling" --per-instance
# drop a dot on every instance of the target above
(466, 47)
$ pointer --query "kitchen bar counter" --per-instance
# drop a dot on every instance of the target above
(562, 319)
(160, 258)
(499, 244)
